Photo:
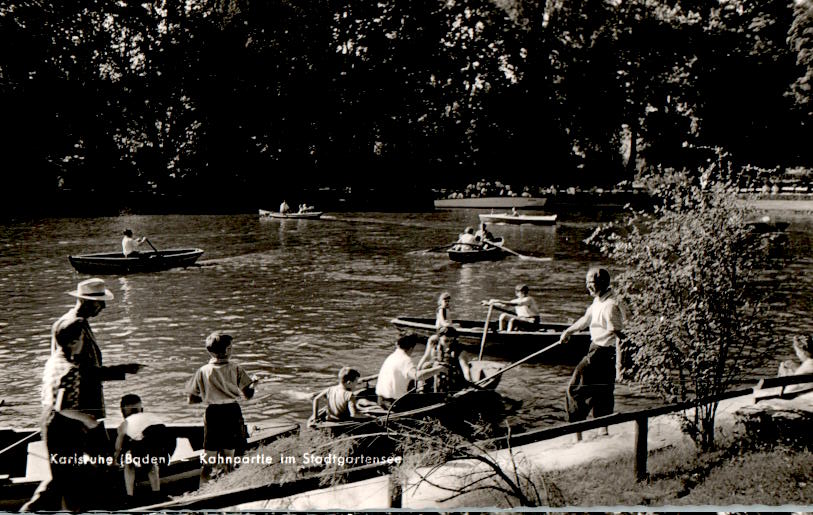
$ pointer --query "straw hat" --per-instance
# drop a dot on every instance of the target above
(92, 289)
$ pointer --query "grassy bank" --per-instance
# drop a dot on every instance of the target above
(680, 476)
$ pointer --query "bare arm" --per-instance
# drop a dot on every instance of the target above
(315, 407)
(578, 325)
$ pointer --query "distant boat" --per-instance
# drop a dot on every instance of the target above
(491, 202)
(116, 263)
(312, 215)
(474, 252)
(509, 218)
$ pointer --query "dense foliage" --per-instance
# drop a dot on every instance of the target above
(699, 310)
(229, 99)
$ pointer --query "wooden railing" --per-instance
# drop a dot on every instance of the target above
(641, 419)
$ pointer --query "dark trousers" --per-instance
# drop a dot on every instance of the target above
(592, 384)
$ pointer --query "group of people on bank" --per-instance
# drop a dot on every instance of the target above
(74, 408)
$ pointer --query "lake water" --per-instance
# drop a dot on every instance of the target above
(302, 298)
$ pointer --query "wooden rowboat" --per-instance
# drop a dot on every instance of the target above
(474, 252)
(507, 344)
(508, 218)
(25, 462)
(451, 408)
(307, 215)
(116, 263)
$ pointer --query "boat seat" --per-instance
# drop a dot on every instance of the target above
(184, 450)
(36, 464)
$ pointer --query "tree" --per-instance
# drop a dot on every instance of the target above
(699, 316)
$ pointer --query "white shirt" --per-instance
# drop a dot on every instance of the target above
(395, 374)
(467, 238)
(606, 316)
(128, 245)
(526, 307)
(135, 424)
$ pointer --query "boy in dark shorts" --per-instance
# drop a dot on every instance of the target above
(220, 383)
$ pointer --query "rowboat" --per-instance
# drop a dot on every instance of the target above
(25, 460)
(451, 408)
(473, 252)
(307, 215)
(507, 344)
(491, 202)
(117, 263)
(765, 225)
(509, 218)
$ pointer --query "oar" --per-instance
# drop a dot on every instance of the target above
(485, 332)
(521, 256)
(517, 363)
(435, 249)
(157, 252)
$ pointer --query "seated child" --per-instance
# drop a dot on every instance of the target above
(803, 346)
(142, 437)
(340, 399)
(220, 383)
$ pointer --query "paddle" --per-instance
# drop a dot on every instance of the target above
(485, 332)
(439, 247)
(517, 363)
(521, 256)
(157, 252)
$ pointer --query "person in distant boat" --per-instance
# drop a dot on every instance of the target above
(593, 382)
(284, 208)
(466, 241)
(482, 235)
(398, 371)
(525, 306)
(514, 211)
(141, 437)
(129, 244)
(220, 383)
(443, 349)
(803, 346)
(443, 317)
(340, 399)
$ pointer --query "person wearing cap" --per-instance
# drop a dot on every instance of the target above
(592, 384)
(340, 399)
(219, 384)
(524, 305)
(129, 244)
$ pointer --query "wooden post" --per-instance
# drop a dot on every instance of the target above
(396, 492)
(640, 448)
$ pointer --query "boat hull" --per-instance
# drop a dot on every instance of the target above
(116, 263)
(475, 255)
(491, 202)
(180, 475)
(507, 345)
(309, 215)
(507, 218)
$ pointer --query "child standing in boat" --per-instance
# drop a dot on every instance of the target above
(220, 383)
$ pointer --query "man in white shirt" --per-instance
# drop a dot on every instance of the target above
(593, 382)
(398, 370)
(129, 244)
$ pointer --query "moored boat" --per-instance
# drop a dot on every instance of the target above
(766, 225)
(507, 344)
(117, 263)
(25, 462)
(509, 218)
(307, 215)
(491, 202)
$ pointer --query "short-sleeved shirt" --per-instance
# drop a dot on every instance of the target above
(606, 315)
(128, 245)
(395, 374)
(338, 402)
(218, 382)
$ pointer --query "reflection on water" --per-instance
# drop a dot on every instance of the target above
(301, 297)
